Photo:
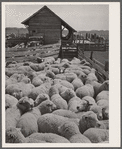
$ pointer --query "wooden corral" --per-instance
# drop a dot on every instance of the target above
(47, 24)
(31, 53)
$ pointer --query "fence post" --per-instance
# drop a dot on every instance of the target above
(91, 56)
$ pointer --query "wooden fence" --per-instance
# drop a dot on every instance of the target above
(102, 74)
(31, 53)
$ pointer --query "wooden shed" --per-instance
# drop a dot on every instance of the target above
(47, 24)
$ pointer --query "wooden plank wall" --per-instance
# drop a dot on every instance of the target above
(102, 74)
(47, 24)
(31, 54)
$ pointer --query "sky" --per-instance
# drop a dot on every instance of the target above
(80, 17)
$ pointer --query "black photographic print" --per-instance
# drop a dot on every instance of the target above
(60, 74)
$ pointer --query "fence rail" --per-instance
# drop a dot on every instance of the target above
(31, 53)
(95, 64)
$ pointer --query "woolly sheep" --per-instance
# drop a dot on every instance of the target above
(77, 83)
(44, 88)
(54, 90)
(37, 67)
(14, 135)
(40, 98)
(64, 83)
(59, 101)
(103, 103)
(96, 85)
(10, 101)
(75, 104)
(86, 71)
(97, 110)
(65, 113)
(88, 120)
(10, 81)
(104, 95)
(97, 135)
(28, 124)
(47, 106)
(90, 100)
(67, 94)
(71, 131)
(19, 90)
(49, 123)
(48, 137)
(50, 74)
(25, 104)
(70, 76)
(12, 116)
(86, 90)
(91, 76)
(104, 86)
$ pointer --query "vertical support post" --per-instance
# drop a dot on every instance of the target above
(83, 46)
(91, 56)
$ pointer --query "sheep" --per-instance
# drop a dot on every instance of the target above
(104, 95)
(104, 86)
(75, 61)
(88, 120)
(48, 137)
(19, 90)
(40, 98)
(49, 123)
(75, 104)
(65, 113)
(14, 135)
(67, 94)
(10, 101)
(91, 76)
(85, 90)
(49, 60)
(40, 79)
(96, 85)
(50, 74)
(90, 100)
(12, 116)
(10, 81)
(97, 135)
(77, 83)
(37, 67)
(71, 131)
(28, 124)
(54, 90)
(70, 76)
(47, 106)
(104, 124)
(25, 104)
(44, 88)
(59, 101)
(103, 103)
(82, 76)
(64, 83)
(28, 121)
(86, 71)
(97, 110)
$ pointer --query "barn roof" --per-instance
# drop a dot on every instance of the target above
(26, 22)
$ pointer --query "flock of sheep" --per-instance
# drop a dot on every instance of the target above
(55, 101)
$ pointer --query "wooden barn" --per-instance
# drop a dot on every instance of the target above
(47, 24)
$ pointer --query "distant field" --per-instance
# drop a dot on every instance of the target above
(100, 56)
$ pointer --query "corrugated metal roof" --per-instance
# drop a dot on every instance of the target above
(45, 7)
